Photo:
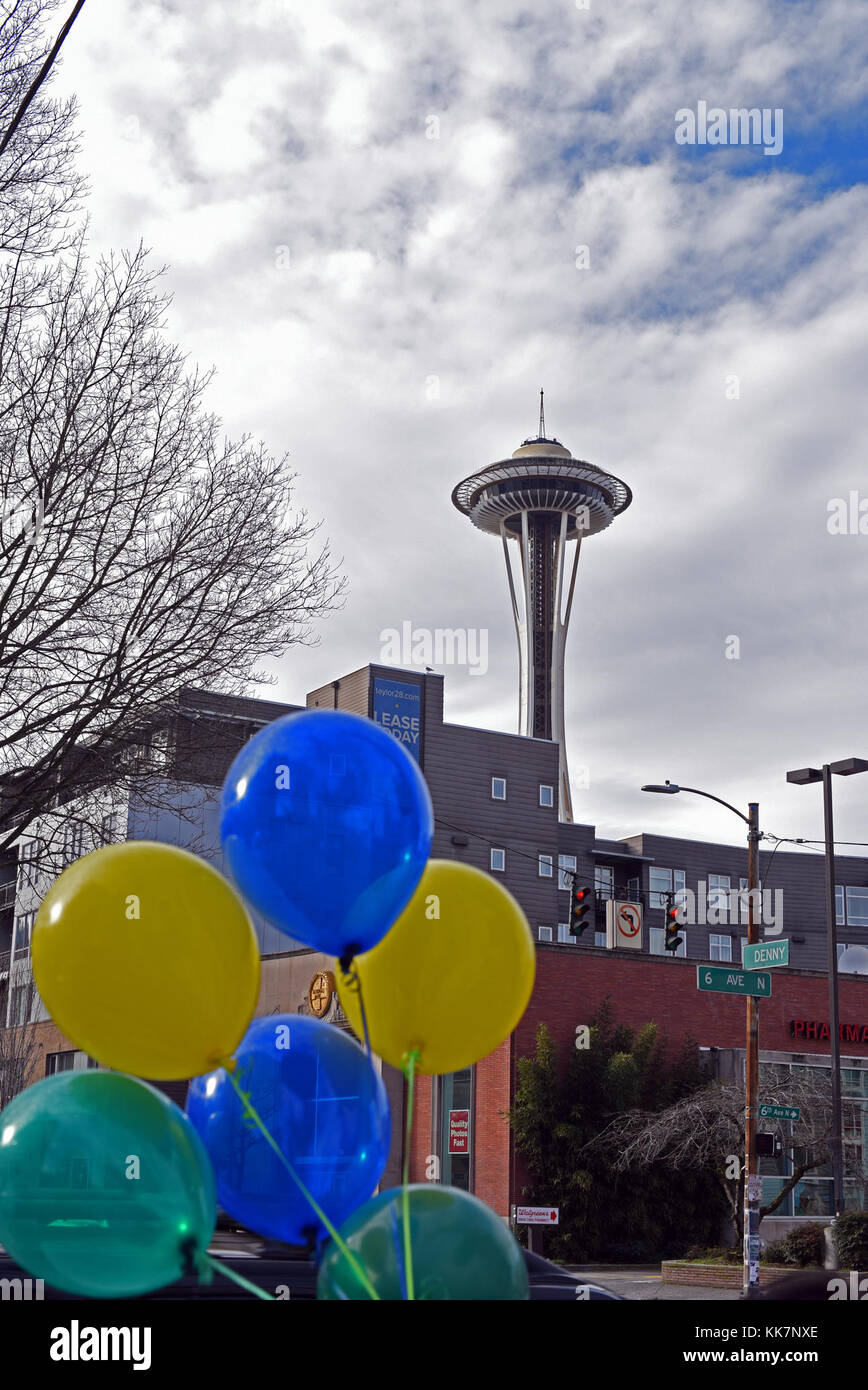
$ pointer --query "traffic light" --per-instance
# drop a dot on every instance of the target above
(671, 939)
(580, 906)
(768, 1145)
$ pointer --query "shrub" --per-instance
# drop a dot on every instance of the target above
(805, 1245)
(850, 1233)
(775, 1253)
(714, 1253)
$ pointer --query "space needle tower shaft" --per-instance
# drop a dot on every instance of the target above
(542, 503)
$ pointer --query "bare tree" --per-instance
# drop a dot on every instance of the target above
(706, 1129)
(40, 190)
(21, 1051)
(140, 551)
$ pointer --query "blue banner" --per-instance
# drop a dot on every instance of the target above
(398, 710)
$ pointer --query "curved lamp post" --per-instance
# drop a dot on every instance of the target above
(751, 1204)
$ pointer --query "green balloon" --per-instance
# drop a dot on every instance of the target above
(460, 1249)
(105, 1187)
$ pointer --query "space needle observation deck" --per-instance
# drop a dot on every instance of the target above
(547, 502)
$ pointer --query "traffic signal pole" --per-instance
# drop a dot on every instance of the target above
(751, 1077)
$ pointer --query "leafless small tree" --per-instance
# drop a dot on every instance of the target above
(707, 1130)
(21, 1052)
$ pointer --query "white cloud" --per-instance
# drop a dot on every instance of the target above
(452, 259)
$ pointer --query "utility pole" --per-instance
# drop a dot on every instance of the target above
(834, 1030)
(751, 1072)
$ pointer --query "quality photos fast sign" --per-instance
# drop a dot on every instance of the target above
(398, 710)
(459, 1131)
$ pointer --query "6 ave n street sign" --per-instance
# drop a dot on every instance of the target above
(719, 979)
(779, 1112)
(765, 953)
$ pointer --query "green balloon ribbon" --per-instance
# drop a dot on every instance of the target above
(408, 1062)
(210, 1263)
(229, 1064)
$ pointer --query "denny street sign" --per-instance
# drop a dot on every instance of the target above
(765, 953)
(724, 980)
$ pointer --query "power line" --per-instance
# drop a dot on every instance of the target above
(41, 76)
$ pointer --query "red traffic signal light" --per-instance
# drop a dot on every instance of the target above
(671, 939)
(581, 901)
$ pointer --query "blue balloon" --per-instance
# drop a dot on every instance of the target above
(327, 1109)
(326, 824)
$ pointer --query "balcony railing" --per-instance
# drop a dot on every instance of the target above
(5, 957)
(7, 895)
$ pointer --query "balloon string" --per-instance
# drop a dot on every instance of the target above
(239, 1278)
(355, 985)
(409, 1061)
(250, 1110)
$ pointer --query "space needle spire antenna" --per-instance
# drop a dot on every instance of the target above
(542, 503)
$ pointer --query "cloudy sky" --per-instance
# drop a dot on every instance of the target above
(372, 212)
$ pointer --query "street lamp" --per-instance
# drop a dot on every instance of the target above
(845, 767)
(751, 1079)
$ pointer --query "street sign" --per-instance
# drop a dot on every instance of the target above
(537, 1216)
(720, 980)
(459, 1131)
(779, 1112)
(765, 953)
(623, 926)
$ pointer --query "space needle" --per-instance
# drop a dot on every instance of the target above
(547, 502)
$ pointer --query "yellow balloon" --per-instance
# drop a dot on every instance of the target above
(145, 957)
(453, 976)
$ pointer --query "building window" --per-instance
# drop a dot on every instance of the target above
(604, 881)
(632, 890)
(73, 841)
(662, 881)
(498, 788)
(600, 939)
(107, 828)
(566, 871)
(23, 930)
(718, 892)
(456, 1094)
(27, 868)
(546, 796)
(544, 933)
(857, 907)
(19, 1005)
(546, 866)
(69, 1061)
(720, 947)
(59, 1061)
(498, 861)
(842, 947)
(564, 935)
(657, 938)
